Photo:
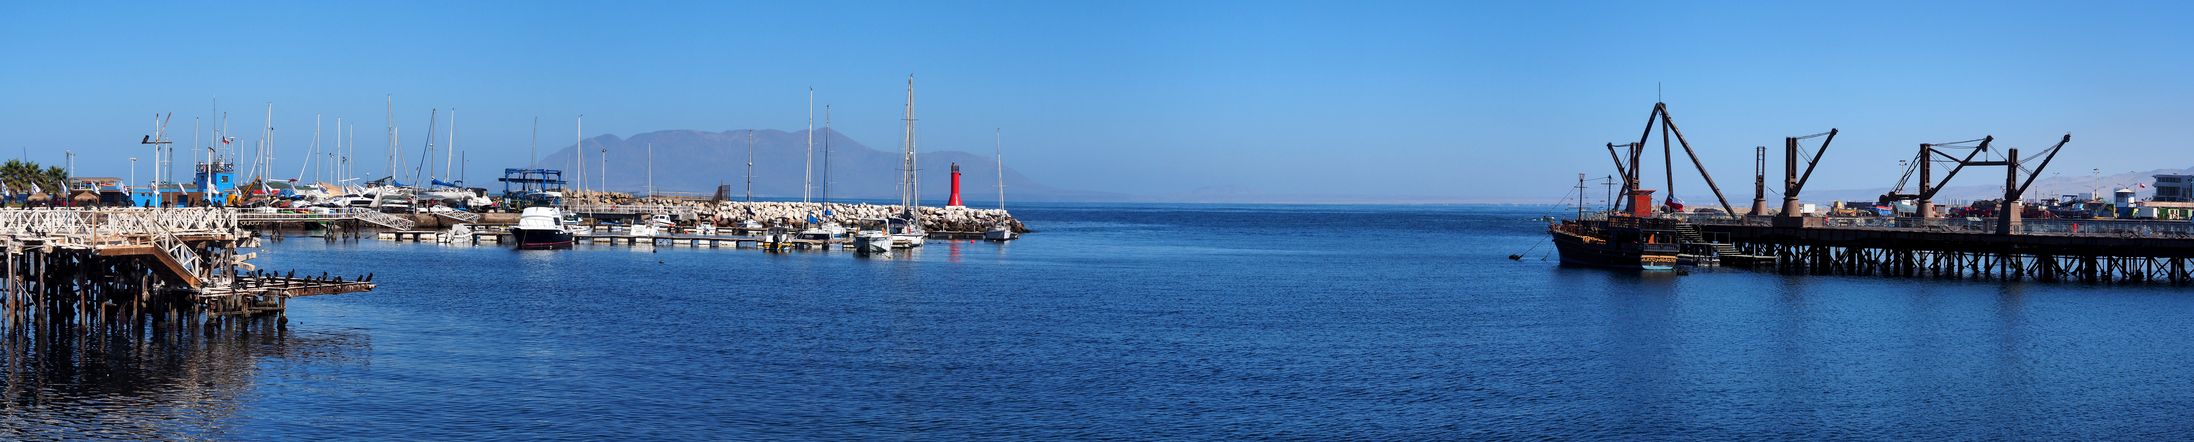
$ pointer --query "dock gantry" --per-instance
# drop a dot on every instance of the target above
(123, 265)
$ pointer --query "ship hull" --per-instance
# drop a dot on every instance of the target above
(536, 239)
(1585, 251)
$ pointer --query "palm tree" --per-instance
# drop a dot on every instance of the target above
(21, 176)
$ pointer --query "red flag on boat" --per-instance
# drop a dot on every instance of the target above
(1674, 204)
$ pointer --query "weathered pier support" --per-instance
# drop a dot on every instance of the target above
(127, 266)
(1937, 252)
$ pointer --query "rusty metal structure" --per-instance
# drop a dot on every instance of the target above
(1922, 245)
(1631, 169)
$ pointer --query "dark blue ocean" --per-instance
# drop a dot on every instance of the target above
(1133, 322)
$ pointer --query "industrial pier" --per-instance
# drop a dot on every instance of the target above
(1923, 243)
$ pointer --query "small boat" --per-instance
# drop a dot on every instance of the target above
(871, 243)
(824, 232)
(777, 238)
(541, 228)
(1000, 232)
(571, 224)
(457, 233)
(705, 228)
(905, 233)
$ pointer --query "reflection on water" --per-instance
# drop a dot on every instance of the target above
(159, 382)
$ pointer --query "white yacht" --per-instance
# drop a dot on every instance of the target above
(541, 228)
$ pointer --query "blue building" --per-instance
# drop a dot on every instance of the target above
(219, 177)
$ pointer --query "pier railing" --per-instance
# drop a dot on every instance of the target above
(630, 209)
(97, 225)
(272, 216)
(2048, 227)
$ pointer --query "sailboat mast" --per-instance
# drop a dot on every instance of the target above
(807, 178)
(826, 153)
(421, 172)
(311, 152)
(449, 152)
(579, 157)
(392, 136)
(998, 156)
(266, 148)
(651, 170)
(750, 165)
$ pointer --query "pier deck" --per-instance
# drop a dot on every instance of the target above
(92, 265)
(2042, 250)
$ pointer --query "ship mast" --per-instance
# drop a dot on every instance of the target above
(750, 165)
(910, 192)
(998, 156)
(807, 177)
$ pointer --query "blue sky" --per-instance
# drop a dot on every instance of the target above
(1306, 100)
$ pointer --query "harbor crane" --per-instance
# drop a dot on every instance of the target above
(1630, 169)
(2014, 186)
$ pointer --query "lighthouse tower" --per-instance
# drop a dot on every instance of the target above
(955, 201)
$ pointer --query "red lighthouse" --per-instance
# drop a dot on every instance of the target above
(955, 201)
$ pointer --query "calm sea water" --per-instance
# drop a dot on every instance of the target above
(1137, 322)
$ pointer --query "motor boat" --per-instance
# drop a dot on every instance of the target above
(905, 233)
(871, 242)
(457, 233)
(541, 228)
(572, 224)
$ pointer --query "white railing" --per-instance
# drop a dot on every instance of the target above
(267, 216)
(463, 217)
(630, 209)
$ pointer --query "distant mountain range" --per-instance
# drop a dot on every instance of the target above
(694, 162)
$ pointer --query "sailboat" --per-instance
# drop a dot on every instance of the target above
(906, 231)
(824, 227)
(1002, 230)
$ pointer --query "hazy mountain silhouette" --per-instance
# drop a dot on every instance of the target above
(694, 162)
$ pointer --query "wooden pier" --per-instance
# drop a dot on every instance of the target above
(127, 265)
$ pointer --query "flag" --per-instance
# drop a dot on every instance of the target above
(226, 140)
(1674, 204)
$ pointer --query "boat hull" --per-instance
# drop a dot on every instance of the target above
(1583, 251)
(534, 239)
(869, 245)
